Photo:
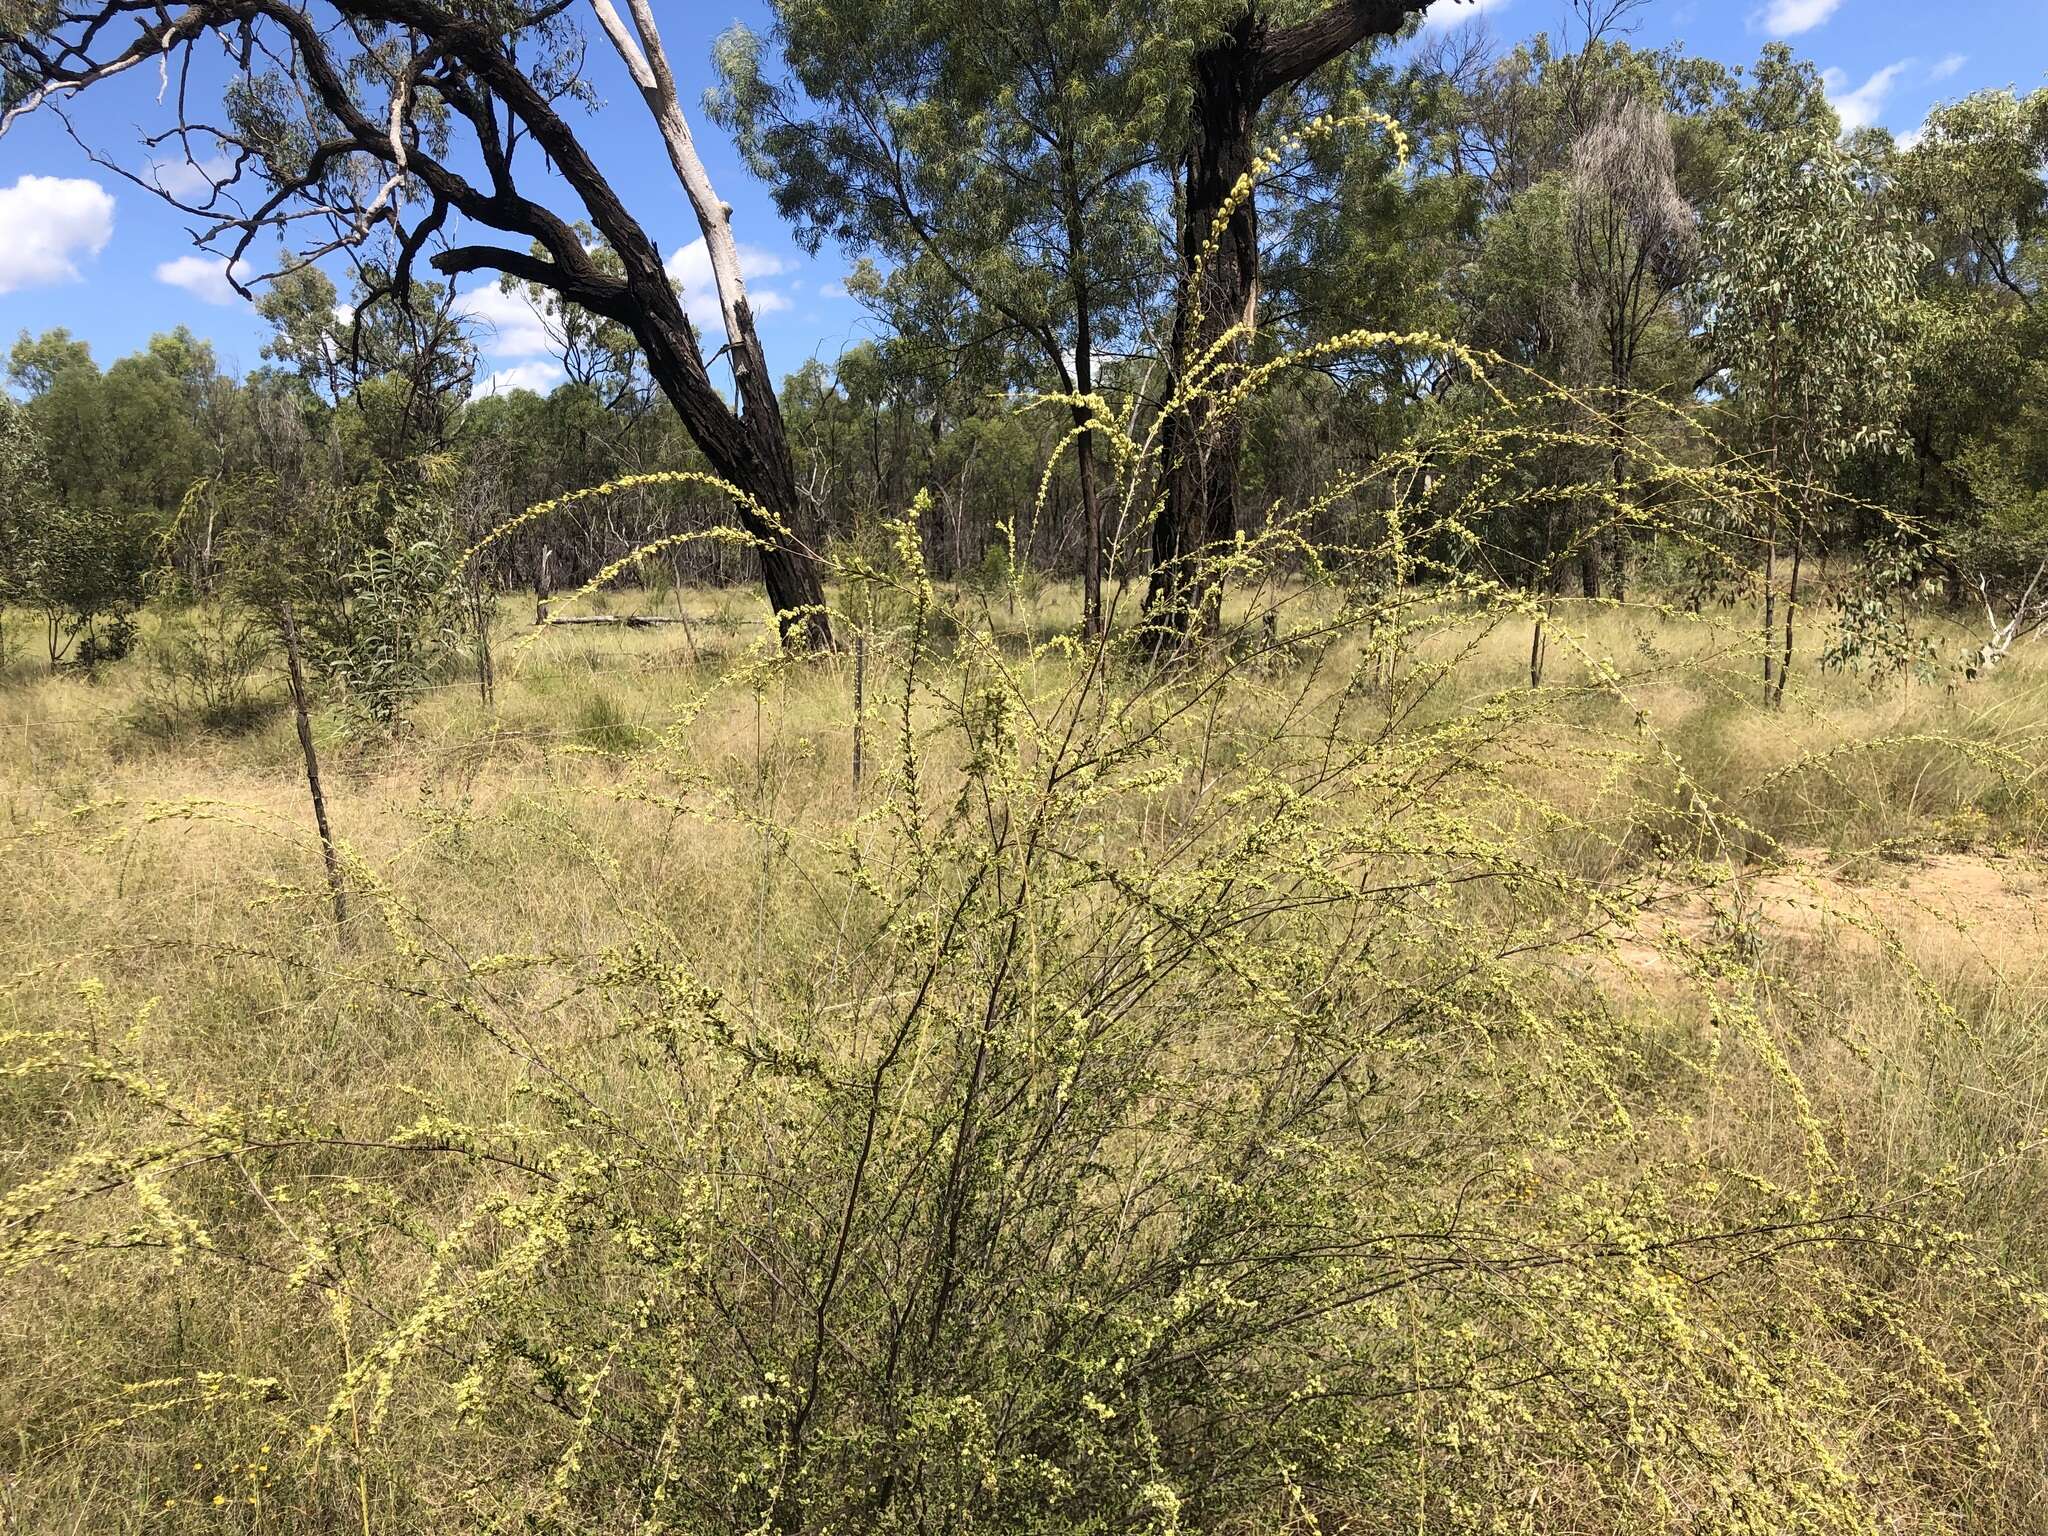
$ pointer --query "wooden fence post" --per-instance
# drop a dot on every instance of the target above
(298, 681)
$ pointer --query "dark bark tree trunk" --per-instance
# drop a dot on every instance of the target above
(750, 449)
(1617, 534)
(1791, 608)
(765, 469)
(1545, 586)
(1233, 78)
(1091, 520)
(1218, 290)
(1084, 445)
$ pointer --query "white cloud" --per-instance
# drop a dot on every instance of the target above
(1864, 105)
(1446, 14)
(1911, 139)
(204, 277)
(538, 377)
(832, 290)
(515, 325)
(51, 221)
(192, 180)
(1949, 67)
(689, 268)
(1789, 18)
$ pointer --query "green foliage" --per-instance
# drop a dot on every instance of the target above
(1519, 298)
(36, 364)
(110, 638)
(1974, 178)
(310, 330)
(1874, 631)
(603, 724)
(879, 594)
(1004, 162)
(24, 483)
(1810, 284)
(83, 571)
(1002, 180)
(399, 368)
(122, 452)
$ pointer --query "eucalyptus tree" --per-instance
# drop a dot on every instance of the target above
(863, 431)
(1809, 281)
(420, 122)
(24, 491)
(1584, 153)
(1975, 188)
(308, 323)
(996, 151)
(66, 409)
(1634, 243)
(1977, 181)
(133, 437)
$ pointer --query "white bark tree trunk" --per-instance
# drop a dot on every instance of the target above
(647, 61)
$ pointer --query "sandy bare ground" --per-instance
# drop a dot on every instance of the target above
(1987, 906)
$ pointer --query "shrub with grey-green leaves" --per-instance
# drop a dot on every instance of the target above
(403, 616)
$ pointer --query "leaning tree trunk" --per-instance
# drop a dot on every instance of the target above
(750, 447)
(1545, 587)
(1234, 77)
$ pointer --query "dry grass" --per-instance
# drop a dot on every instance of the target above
(176, 871)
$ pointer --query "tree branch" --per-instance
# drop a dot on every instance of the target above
(1291, 54)
(601, 295)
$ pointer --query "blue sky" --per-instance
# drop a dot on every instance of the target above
(81, 248)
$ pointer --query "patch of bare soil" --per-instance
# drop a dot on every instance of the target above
(1989, 906)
